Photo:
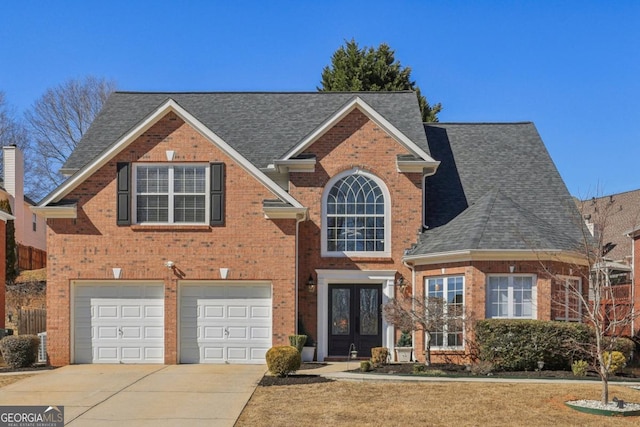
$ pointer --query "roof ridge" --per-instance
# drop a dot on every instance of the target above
(232, 92)
(478, 123)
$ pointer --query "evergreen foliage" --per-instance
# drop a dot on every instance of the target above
(367, 69)
(10, 245)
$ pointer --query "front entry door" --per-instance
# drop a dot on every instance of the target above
(354, 318)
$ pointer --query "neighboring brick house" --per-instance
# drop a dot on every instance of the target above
(30, 230)
(200, 227)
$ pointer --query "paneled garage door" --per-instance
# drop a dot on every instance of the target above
(119, 323)
(228, 323)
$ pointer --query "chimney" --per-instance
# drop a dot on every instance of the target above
(14, 182)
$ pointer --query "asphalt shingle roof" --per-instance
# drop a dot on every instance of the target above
(496, 188)
(260, 126)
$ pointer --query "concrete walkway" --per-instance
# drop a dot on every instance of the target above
(141, 395)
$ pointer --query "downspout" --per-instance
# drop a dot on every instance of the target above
(413, 298)
(633, 285)
(299, 219)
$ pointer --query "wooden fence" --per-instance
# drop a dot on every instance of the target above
(32, 321)
(30, 258)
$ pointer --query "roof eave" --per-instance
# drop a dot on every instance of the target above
(497, 255)
(288, 212)
(67, 211)
(414, 166)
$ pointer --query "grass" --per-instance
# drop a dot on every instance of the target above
(347, 403)
(10, 379)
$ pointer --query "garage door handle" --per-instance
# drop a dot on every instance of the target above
(226, 331)
(120, 331)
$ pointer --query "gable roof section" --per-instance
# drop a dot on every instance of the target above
(358, 103)
(496, 189)
(139, 128)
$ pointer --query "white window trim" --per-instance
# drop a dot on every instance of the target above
(567, 318)
(387, 218)
(444, 330)
(170, 166)
(510, 315)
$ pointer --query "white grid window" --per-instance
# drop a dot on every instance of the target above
(511, 297)
(445, 297)
(173, 194)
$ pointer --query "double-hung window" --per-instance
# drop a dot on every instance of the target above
(566, 303)
(171, 194)
(511, 296)
(444, 308)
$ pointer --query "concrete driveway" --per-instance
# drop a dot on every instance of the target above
(141, 395)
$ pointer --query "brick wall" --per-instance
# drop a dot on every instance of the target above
(355, 142)
(87, 248)
(475, 278)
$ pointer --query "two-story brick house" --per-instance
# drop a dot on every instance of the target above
(200, 227)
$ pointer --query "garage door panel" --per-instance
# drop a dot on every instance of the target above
(131, 311)
(212, 311)
(106, 311)
(212, 332)
(233, 323)
(260, 312)
(257, 333)
(237, 312)
(126, 323)
(154, 311)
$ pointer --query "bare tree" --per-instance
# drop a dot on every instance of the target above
(57, 121)
(588, 293)
(12, 131)
(429, 314)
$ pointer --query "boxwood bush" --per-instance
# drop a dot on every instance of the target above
(282, 360)
(518, 345)
(19, 351)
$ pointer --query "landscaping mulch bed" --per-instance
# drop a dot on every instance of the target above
(451, 370)
(296, 378)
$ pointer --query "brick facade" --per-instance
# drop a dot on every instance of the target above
(87, 248)
(252, 247)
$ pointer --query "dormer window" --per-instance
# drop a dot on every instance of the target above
(356, 216)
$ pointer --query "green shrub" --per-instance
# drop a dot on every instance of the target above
(579, 368)
(19, 351)
(419, 368)
(365, 366)
(379, 356)
(282, 360)
(482, 367)
(517, 345)
(405, 340)
(616, 361)
(297, 341)
(623, 345)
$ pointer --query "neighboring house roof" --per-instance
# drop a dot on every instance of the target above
(622, 217)
(496, 189)
(260, 126)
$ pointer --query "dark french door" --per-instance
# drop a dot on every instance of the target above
(354, 318)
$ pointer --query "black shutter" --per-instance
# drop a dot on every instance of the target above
(124, 198)
(217, 194)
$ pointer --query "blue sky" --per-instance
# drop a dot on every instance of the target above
(571, 67)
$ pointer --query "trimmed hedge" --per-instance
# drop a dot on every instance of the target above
(282, 360)
(19, 351)
(518, 345)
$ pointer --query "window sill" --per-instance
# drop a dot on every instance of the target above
(170, 227)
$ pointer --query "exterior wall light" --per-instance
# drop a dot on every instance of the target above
(311, 284)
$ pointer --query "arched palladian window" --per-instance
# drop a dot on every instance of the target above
(356, 213)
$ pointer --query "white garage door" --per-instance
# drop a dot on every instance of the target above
(224, 324)
(119, 323)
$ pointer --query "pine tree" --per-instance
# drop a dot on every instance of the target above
(367, 69)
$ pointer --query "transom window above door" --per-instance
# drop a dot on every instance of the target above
(356, 216)
(174, 194)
